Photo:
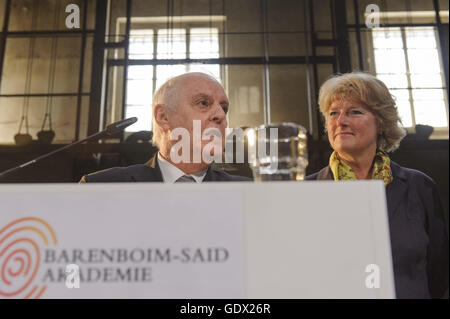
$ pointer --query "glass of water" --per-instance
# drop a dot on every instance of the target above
(278, 152)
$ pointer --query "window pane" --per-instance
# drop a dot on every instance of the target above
(423, 61)
(164, 72)
(139, 92)
(171, 44)
(428, 95)
(400, 94)
(390, 61)
(204, 43)
(426, 80)
(394, 80)
(431, 113)
(211, 69)
(141, 44)
(388, 38)
(404, 111)
(144, 115)
(139, 84)
(139, 96)
(420, 38)
(403, 106)
(140, 72)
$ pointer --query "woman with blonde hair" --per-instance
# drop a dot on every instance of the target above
(363, 126)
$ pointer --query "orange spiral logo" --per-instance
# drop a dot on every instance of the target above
(20, 256)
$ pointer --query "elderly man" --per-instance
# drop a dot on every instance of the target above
(178, 106)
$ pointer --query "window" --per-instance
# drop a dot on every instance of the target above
(407, 61)
(179, 43)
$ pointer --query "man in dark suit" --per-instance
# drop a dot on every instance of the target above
(187, 106)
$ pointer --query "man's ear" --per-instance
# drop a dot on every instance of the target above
(161, 116)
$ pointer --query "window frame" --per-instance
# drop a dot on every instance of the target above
(438, 132)
(156, 23)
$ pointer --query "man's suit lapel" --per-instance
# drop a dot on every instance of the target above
(210, 176)
(150, 173)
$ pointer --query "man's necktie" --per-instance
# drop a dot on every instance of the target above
(185, 179)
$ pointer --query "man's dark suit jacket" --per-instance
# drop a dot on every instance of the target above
(418, 237)
(150, 172)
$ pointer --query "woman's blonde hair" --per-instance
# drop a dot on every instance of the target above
(373, 93)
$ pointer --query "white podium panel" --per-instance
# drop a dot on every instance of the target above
(211, 240)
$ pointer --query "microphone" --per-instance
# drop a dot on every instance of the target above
(111, 129)
(118, 126)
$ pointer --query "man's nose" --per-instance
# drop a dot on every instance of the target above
(218, 115)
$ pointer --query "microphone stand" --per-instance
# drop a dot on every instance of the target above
(111, 129)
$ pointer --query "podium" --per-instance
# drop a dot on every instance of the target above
(213, 240)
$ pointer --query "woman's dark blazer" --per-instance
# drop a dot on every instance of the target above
(417, 229)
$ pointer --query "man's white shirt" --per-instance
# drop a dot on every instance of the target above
(170, 173)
